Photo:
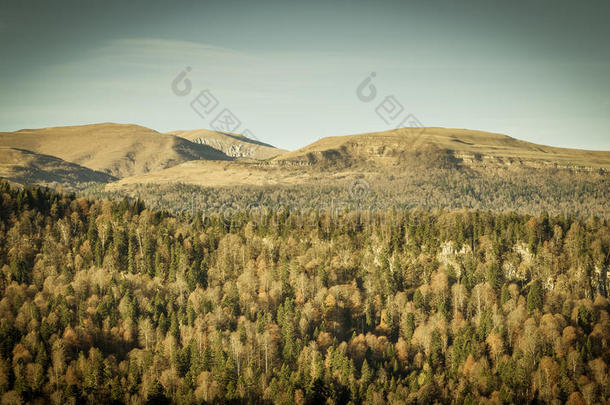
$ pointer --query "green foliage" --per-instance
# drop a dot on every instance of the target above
(534, 296)
(110, 302)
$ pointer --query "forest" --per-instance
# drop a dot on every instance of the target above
(523, 190)
(108, 301)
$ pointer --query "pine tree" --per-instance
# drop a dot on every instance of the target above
(534, 297)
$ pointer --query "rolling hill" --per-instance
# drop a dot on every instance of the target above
(440, 146)
(234, 145)
(25, 167)
(441, 168)
(119, 150)
(382, 154)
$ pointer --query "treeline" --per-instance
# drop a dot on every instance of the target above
(110, 302)
(525, 191)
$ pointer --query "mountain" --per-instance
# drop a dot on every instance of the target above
(434, 168)
(438, 168)
(443, 147)
(234, 145)
(382, 154)
(119, 150)
(26, 167)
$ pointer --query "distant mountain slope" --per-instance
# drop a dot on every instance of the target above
(219, 174)
(441, 168)
(453, 168)
(382, 154)
(439, 145)
(234, 145)
(117, 149)
(25, 167)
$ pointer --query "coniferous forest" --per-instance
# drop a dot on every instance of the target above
(110, 302)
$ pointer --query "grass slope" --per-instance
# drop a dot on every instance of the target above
(26, 167)
(117, 149)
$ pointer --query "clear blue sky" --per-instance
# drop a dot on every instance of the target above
(535, 70)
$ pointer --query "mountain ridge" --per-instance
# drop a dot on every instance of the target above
(233, 145)
(386, 148)
(132, 154)
(119, 150)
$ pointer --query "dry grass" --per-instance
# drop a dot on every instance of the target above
(235, 173)
(386, 149)
(141, 155)
(374, 156)
(25, 167)
(117, 149)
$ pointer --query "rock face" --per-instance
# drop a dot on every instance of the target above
(233, 145)
(442, 148)
(228, 148)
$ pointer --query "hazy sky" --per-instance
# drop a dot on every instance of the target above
(535, 70)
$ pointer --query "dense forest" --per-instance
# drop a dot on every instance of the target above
(525, 191)
(110, 302)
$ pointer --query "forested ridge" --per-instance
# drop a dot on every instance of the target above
(110, 302)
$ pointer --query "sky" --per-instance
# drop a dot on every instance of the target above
(289, 73)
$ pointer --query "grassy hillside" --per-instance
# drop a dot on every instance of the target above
(464, 147)
(116, 149)
(25, 167)
(442, 168)
(439, 168)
